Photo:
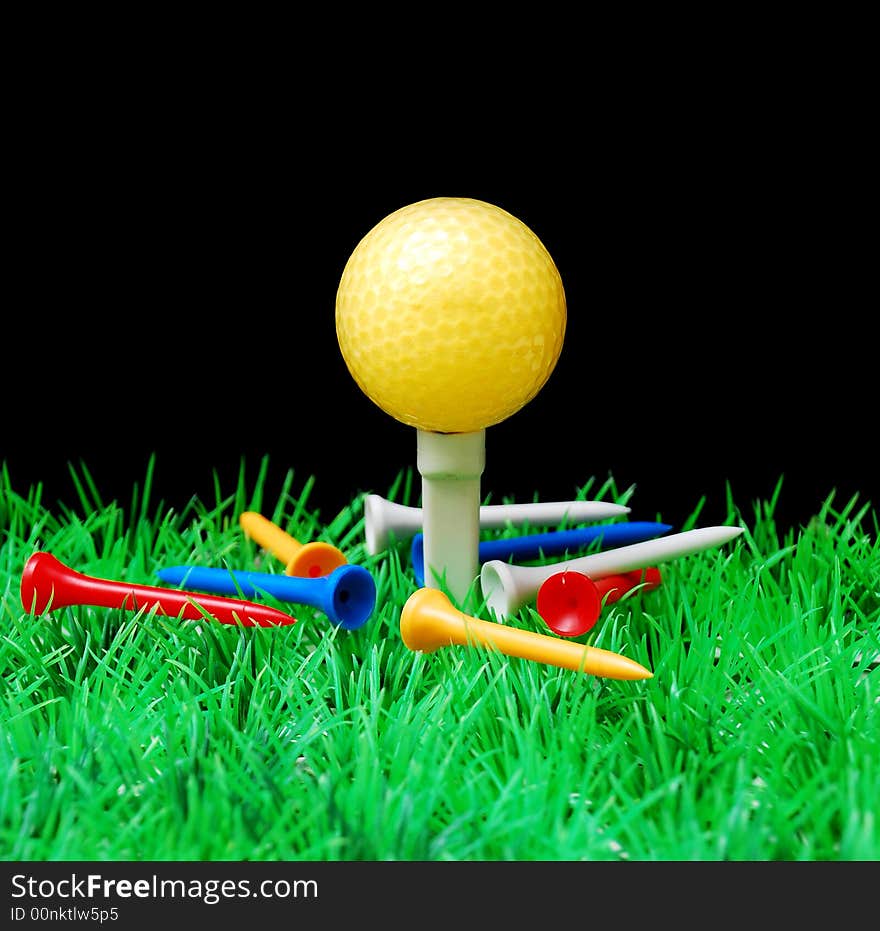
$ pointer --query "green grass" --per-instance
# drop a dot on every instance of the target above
(134, 736)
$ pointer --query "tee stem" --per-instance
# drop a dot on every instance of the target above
(451, 465)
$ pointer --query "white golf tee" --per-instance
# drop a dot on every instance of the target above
(451, 466)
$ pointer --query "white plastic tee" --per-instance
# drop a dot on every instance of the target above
(451, 465)
(507, 587)
(383, 517)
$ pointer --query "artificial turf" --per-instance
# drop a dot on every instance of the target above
(133, 736)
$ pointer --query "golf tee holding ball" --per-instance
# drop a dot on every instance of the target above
(450, 316)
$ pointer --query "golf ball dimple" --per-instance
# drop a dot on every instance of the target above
(450, 314)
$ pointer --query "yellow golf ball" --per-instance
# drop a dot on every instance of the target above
(450, 314)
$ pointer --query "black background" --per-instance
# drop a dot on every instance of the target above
(174, 270)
